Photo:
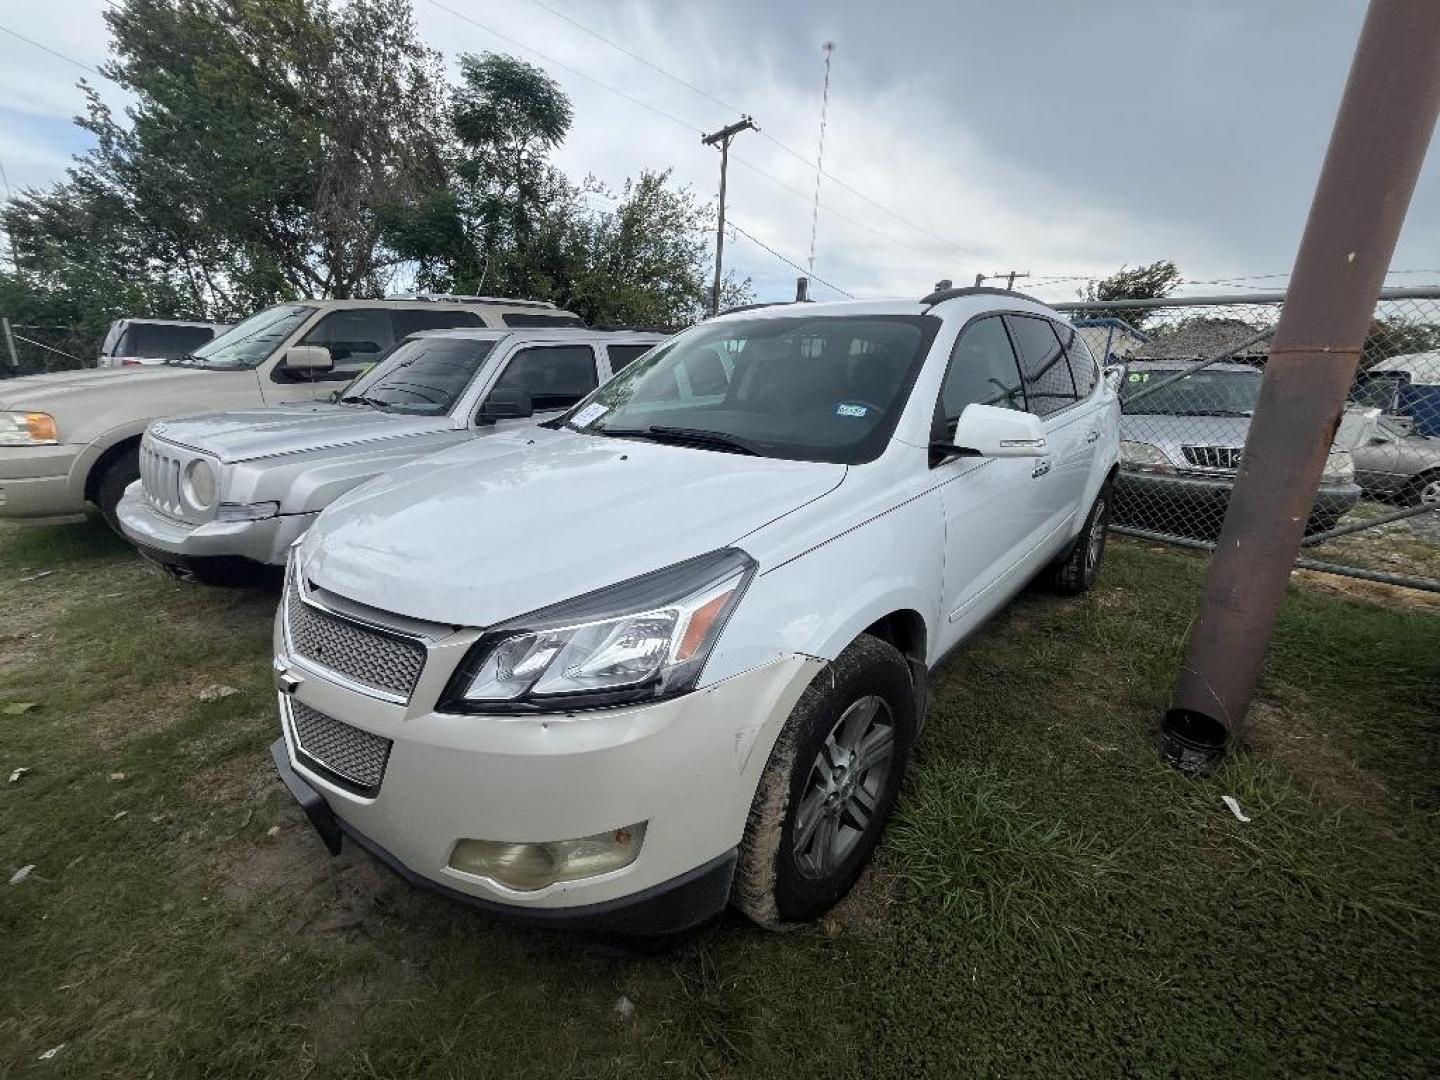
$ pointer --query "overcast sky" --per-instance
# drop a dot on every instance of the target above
(1046, 136)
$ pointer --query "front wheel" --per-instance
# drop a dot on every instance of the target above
(828, 788)
(1077, 571)
(1424, 490)
(119, 474)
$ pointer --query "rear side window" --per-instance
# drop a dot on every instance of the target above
(355, 338)
(409, 321)
(152, 340)
(1083, 368)
(1048, 386)
(557, 376)
(982, 371)
(621, 356)
(521, 319)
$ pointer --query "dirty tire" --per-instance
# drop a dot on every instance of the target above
(1077, 571)
(119, 474)
(770, 886)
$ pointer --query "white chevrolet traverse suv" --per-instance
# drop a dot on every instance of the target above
(670, 650)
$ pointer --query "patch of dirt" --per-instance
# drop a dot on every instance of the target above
(1376, 592)
(869, 907)
(1312, 756)
(243, 780)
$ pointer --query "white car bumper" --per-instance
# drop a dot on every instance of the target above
(181, 543)
(687, 768)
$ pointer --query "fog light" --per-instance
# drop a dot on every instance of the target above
(527, 867)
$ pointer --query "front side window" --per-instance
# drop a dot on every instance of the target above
(355, 338)
(810, 388)
(982, 371)
(1207, 392)
(557, 376)
(1048, 386)
(621, 356)
(250, 343)
(425, 376)
(1083, 368)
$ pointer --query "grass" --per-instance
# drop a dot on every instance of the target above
(1050, 901)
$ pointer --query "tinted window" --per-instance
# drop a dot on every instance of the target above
(355, 338)
(524, 318)
(1207, 392)
(982, 371)
(557, 376)
(1082, 361)
(250, 343)
(425, 375)
(410, 321)
(1048, 387)
(622, 355)
(807, 387)
(159, 340)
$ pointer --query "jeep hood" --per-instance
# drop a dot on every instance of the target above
(247, 434)
(63, 387)
(502, 526)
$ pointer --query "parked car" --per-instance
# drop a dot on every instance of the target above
(1181, 443)
(220, 490)
(132, 342)
(72, 438)
(671, 649)
(1394, 461)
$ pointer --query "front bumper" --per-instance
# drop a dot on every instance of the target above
(687, 767)
(1197, 504)
(35, 482)
(180, 543)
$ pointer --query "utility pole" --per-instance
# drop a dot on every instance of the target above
(722, 139)
(1389, 108)
(829, 48)
(10, 343)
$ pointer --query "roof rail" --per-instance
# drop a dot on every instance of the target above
(609, 329)
(756, 307)
(974, 290)
(458, 298)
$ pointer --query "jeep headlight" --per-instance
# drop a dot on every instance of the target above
(28, 429)
(1339, 467)
(640, 640)
(1144, 455)
(200, 484)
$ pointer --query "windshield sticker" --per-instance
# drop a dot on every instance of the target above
(1138, 377)
(588, 415)
(850, 410)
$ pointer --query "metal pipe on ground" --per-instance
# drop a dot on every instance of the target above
(1387, 114)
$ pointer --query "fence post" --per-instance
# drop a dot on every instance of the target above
(10, 343)
(1389, 108)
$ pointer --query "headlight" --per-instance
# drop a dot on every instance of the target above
(1144, 455)
(1339, 467)
(640, 640)
(28, 429)
(260, 511)
(200, 485)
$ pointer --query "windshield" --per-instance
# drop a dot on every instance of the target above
(1205, 393)
(423, 375)
(250, 343)
(818, 388)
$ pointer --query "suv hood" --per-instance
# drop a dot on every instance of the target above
(37, 391)
(247, 434)
(505, 525)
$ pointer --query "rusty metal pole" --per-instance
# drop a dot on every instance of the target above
(1383, 128)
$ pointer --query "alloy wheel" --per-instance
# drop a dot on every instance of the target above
(1095, 542)
(846, 786)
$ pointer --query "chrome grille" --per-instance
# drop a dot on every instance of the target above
(1213, 457)
(349, 753)
(371, 657)
(160, 478)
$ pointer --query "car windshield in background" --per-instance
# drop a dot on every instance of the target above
(1205, 393)
(424, 376)
(811, 388)
(250, 343)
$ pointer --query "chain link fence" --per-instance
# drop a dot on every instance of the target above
(1189, 373)
(27, 349)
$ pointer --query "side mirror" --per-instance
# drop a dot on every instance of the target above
(1114, 375)
(506, 405)
(987, 431)
(308, 358)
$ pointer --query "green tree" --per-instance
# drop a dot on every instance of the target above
(1140, 283)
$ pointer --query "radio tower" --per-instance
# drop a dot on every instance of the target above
(829, 48)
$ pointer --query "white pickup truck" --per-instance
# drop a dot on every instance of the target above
(670, 651)
(72, 438)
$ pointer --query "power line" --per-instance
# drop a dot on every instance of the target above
(790, 262)
(54, 53)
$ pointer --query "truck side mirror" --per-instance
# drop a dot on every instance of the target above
(308, 358)
(506, 405)
(987, 431)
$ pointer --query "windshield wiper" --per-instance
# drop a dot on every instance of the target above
(715, 440)
(361, 399)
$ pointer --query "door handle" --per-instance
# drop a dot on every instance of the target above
(1040, 470)
(1092, 437)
